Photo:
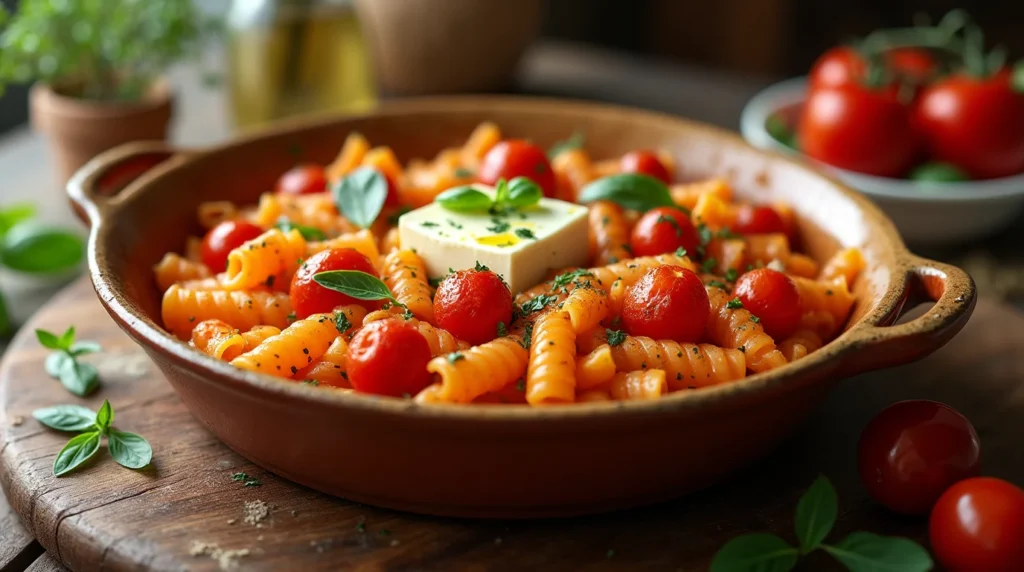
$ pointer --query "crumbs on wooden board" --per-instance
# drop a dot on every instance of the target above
(227, 559)
(255, 512)
(17, 421)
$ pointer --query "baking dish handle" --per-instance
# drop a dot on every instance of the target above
(97, 186)
(881, 345)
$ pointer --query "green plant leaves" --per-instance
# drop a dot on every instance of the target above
(867, 552)
(356, 284)
(78, 450)
(760, 552)
(30, 247)
(519, 193)
(128, 449)
(104, 416)
(66, 417)
(629, 190)
(464, 200)
(51, 340)
(360, 195)
(79, 378)
(85, 347)
(522, 193)
(14, 214)
(816, 514)
(307, 232)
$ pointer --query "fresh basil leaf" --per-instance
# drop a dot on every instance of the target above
(464, 200)
(14, 214)
(48, 340)
(759, 552)
(629, 190)
(868, 552)
(79, 378)
(522, 193)
(29, 247)
(359, 285)
(67, 339)
(307, 232)
(360, 195)
(66, 417)
(816, 514)
(85, 347)
(77, 451)
(105, 416)
(500, 192)
(55, 362)
(575, 141)
(128, 449)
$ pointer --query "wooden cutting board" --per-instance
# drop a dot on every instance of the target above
(107, 517)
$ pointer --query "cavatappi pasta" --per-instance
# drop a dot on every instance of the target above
(571, 338)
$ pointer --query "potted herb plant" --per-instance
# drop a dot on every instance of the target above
(98, 67)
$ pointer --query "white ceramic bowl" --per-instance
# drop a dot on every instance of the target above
(924, 213)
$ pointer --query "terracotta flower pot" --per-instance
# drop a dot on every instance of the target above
(80, 129)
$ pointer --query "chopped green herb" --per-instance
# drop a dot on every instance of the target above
(525, 233)
(527, 336)
(731, 275)
(709, 264)
(680, 252)
(717, 284)
(341, 322)
(454, 357)
(462, 173)
(615, 337)
(563, 279)
(726, 233)
(499, 226)
(435, 282)
(704, 233)
(537, 304)
(672, 221)
(454, 224)
(502, 330)
(291, 316)
(755, 319)
(312, 382)
(480, 267)
(429, 224)
(239, 476)
(734, 304)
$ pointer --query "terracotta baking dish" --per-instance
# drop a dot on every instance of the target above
(501, 461)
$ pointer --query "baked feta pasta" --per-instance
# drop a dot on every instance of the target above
(498, 272)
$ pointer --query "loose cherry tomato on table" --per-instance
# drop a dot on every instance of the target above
(667, 303)
(471, 303)
(308, 297)
(858, 128)
(752, 219)
(974, 123)
(661, 230)
(773, 298)
(223, 238)
(645, 163)
(978, 525)
(913, 451)
(516, 158)
(303, 180)
(388, 357)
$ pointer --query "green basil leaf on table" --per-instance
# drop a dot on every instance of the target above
(128, 449)
(354, 283)
(816, 514)
(85, 347)
(360, 195)
(55, 362)
(760, 552)
(575, 141)
(464, 200)
(78, 450)
(500, 192)
(629, 190)
(522, 193)
(67, 339)
(105, 416)
(14, 214)
(66, 417)
(79, 378)
(307, 232)
(49, 340)
(868, 552)
(29, 247)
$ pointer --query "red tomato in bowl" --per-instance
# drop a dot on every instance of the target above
(667, 303)
(661, 230)
(471, 303)
(978, 525)
(388, 357)
(975, 123)
(752, 219)
(842, 66)
(859, 129)
(308, 297)
(913, 451)
(912, 65)
(645, 163)
(773, 298)
(222, 239)
(516, 158)
(302, 180)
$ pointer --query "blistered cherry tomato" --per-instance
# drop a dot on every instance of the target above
(471, 303)
(516, 158)
(308, 297)
(975, 123)
(667, 303)
(388, 357)
(645, 163)
(303, 180)
(773, 298)
(224, 238)
(661, 230)
(858, 128)
(758, 220)
(978, 525)
(913, 451)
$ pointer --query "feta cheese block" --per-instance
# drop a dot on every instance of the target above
(520, 246)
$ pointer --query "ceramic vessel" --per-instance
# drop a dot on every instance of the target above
(502, 461)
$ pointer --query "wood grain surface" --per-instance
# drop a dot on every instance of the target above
(107, 517)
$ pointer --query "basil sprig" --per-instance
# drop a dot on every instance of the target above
(815, 517)
(128, 449)
(360, 195)
(307, 232)
(359, 285)
(629, 190)
(519, 193)
(77, 377)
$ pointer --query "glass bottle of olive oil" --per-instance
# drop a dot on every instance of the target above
(291, 57)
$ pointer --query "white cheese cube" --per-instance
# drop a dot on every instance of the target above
(521, 246)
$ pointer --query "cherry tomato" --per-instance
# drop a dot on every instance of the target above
(913, 451)
(976, 124)
(224, 238)
(303, 180)
(471, 303)
(773, 298)
(860, 129)
(645, 163)
(308, 297)
(661, 230)
(978, 525)
(667, 303)
(516, 158)
(837, 67)
(388, 357)
(758, 220)
(912, 65)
